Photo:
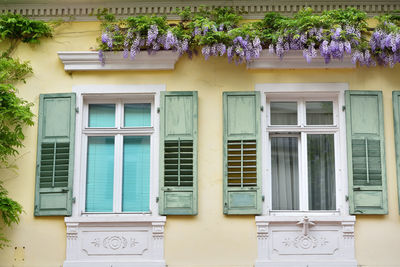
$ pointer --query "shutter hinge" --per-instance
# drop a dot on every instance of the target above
(347, 198)
(77, 109)
(263, 198)
(74, 200)
(158, 110)
(343, 108)
(157, 199)
(262, 108)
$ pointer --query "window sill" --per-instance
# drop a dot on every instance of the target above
(89, 61)
(295, 60)
(93, 218)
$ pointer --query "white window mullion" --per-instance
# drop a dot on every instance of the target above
(303, 179)
(340, 193)
(118, 173)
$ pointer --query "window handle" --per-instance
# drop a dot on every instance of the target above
(357, 188)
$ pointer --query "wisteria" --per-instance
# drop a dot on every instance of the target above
(243, 43)
(385, 44)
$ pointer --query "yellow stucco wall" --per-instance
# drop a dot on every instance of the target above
(211, 238)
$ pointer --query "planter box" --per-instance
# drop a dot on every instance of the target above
(82, 60)
(295, 60)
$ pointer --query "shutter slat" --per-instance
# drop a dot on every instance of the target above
(366, 152)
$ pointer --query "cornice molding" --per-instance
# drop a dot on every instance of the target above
(255, 8)
(89, 60)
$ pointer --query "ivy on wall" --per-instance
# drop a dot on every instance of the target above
(220, 32)
(15, 112)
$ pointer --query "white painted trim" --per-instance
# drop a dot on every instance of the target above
(83, 61)
(255, 9)
(102, 92)
(327, 90)
(322, 241)
(295, 60)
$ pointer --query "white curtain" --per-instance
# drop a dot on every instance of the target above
(321, 172)
(285, 173)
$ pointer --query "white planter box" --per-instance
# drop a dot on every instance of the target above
(82, 60)
(295, 60)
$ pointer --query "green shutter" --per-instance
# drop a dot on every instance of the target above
(242, 153)
(366, 152)
(396, 113)
(178, 153)
(55, 155)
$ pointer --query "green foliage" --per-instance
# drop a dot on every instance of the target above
(10, 210)
(12, 70)
(15, 112)
(16, 28)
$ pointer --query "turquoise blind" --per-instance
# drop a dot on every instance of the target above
(101, 115)
(137, 115)
(136, 174)
(100, 174)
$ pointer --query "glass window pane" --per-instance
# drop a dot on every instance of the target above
(100, 174)
(321, 172)
(319, 112)
(101, 115)
(285, 173)
(137, 115)
(283, 113)
(136, 174)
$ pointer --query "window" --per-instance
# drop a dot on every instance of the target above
(117, 144)
(303, 154)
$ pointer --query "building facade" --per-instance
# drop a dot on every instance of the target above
(242, 165)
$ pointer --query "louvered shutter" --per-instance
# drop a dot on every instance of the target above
(396, 113)
(366, 152)
(242, 153)
(54, 169)
(178, 153)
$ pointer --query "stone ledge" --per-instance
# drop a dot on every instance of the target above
(89, 61)
(295, 60)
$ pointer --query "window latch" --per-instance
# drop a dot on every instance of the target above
(343, 108)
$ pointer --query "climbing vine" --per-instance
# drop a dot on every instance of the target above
(15, 112)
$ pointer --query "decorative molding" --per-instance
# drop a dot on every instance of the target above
(295, 60)
(115, 240)
(309, 240)
(82, 61)
(255, 9)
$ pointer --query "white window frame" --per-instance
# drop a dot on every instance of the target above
(121, 94)
(302, 92)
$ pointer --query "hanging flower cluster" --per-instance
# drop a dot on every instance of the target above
(140, 33)
(332, 35)
(385, 40)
